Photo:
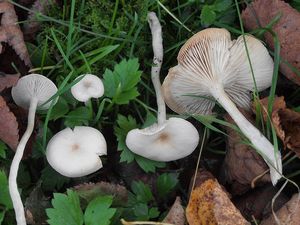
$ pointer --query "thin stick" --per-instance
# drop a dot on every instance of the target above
(12, 180)
(124, 222)
(198, 160)
(157, 46)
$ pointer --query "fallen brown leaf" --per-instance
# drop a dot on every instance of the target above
(209, 204)
(287, 126)
(89, 191)
(286, 123)
(261, 13)
(258, 202)
(10, 32)
(242, 163)
(9, 132)
(289, 214)
(176, 214)
(8, 80)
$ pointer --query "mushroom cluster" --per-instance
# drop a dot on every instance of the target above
(166, 140)
(213, 67)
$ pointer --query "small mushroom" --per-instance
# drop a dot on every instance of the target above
(211, 66)
(174, 139)
(31, 92)
(75, 153)
(90, 86)
(166, 140)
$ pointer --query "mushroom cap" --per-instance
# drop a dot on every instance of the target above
(33, 85)
(173, 140)
(209, 59)
(88, 87)
(75, 153)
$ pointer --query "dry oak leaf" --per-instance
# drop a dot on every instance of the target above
(10, 32)
(242, 163)
(209, 204)
(9, 132)
(176, 214)
(287, 126)
(8, 80)
(261, 13)
(286, 123)
(289, 214)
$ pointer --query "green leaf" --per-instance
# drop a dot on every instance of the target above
(141, 211)
(98, 211)
(165, 183)
(120, 84)
(148, 165)
(2, 214)
(66, 210)
(153, 213)
(60, 109)
(52, 179)
(4, 193)
(124, 126)
(222, 5)
(208, 15)
(79, 116)
(3, 149)
(142, 191)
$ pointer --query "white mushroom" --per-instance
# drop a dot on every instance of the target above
(75, 153)
(170, 139)
(211, 65)
(90, 86)
(31, 92)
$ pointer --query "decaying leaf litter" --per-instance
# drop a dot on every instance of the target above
(131, 189)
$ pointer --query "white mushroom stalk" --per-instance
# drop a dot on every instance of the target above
(165, 140)
(31, 91)
(211, 65)
(90, 86)
(75, 153)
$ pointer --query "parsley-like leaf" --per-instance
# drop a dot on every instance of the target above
(120, 84)
(98, 211)
(165, 183)
(4, 193)
(66, 210)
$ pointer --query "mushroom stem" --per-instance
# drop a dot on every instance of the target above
(157, 46)
(12, 180)
(259, 141)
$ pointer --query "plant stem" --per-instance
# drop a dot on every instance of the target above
(157, 46)
(259, 141)
(12, 180)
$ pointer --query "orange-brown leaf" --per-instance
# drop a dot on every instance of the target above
(209, 204)
(261, 13)
(9, 132)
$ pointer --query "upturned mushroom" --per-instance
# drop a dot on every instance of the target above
(90, 86)
(211, 65)
(31, 92)
(166, 140)
(75, 153)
